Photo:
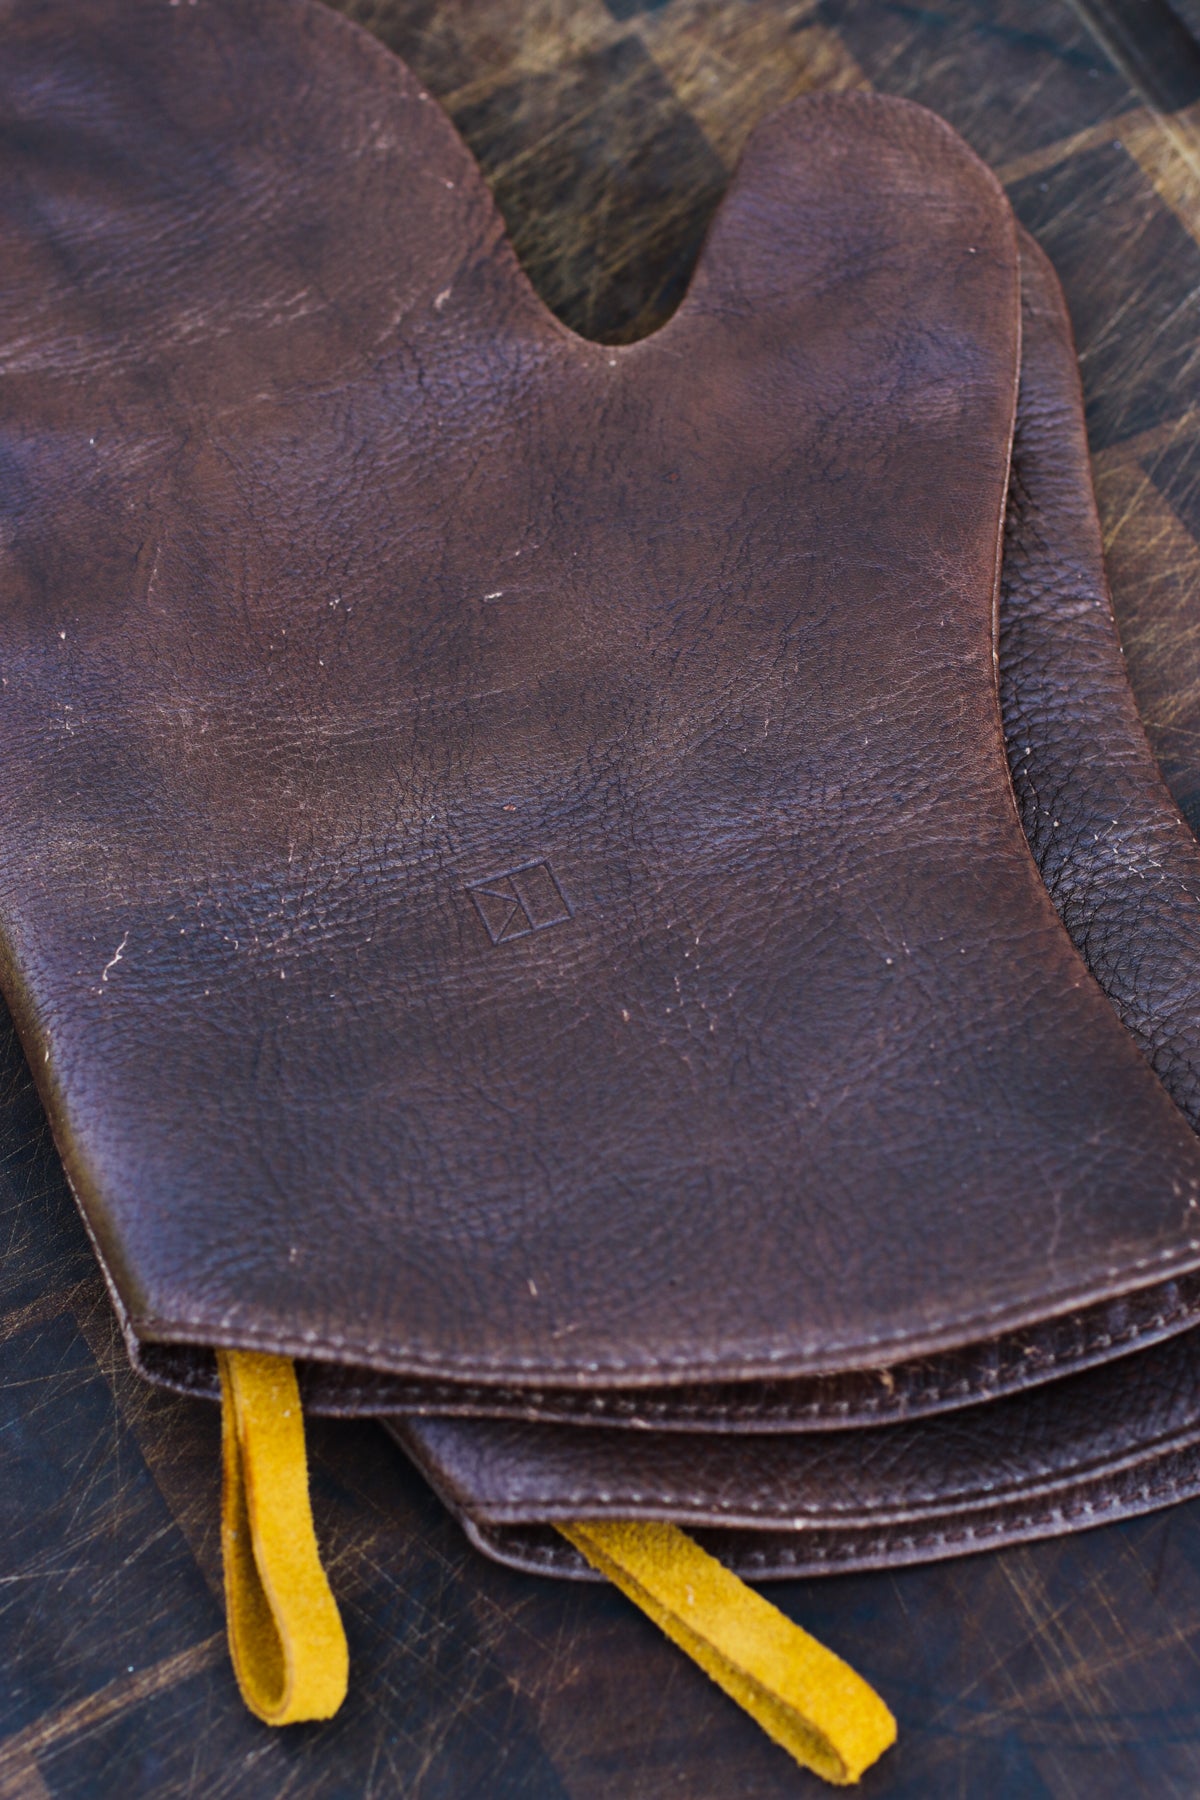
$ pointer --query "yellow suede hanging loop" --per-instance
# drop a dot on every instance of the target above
(285, 1631)
(289, 1648)
(802, 1695)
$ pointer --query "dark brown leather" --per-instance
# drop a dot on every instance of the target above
(903, 1390)
(512, 890)
(1076, 1451)
(1149, 1481)
(1118, 858)
(510, 870)
(1122, 865)
(1093, 1446)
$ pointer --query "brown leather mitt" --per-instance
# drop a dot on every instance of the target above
(909, 1462)
(512, 891)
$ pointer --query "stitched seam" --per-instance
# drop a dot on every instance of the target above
(801, 1559)
(610, 1407)
(995, 1494)
(1050, 1516)
(307, 1342)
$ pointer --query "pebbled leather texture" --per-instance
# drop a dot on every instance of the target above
(1073, 1451)
(1119, 859)
(510, 871)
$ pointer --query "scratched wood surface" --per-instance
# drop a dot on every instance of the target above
(608, 129)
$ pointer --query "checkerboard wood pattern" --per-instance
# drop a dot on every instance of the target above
(608, 129)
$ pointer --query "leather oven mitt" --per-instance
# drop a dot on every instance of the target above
(1048, 1428)
(512, 883)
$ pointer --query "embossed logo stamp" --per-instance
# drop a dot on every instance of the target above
(519, 901)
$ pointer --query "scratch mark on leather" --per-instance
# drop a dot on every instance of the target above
(115, 958)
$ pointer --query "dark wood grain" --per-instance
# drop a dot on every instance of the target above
(608, 131)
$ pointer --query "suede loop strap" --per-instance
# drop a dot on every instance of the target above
(802, 1695)
(285, 1632)
(289, 1648)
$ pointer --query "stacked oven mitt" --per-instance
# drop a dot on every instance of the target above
(514, 886)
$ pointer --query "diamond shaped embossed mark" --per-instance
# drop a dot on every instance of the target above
(519, 901)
